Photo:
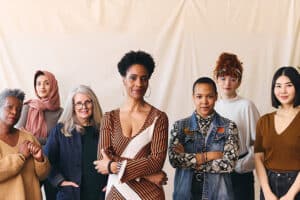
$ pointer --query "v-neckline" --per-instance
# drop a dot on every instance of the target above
(287, 127)
(13, 146)
(140, 129)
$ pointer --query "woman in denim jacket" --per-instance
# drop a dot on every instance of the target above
(203, 149)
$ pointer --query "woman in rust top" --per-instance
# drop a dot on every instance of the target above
(277, 149)
(134, 138)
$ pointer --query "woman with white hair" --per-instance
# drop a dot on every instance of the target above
(72, 148)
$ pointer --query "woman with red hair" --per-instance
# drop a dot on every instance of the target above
(228, 74)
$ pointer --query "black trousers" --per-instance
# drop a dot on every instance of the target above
(50, 191)
(243, 186)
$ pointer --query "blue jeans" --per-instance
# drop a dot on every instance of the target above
(280, 183)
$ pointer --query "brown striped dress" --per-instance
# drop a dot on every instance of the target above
(148, 160)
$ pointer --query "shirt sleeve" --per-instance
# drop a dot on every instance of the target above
(230, 153)
(11, 165)
(52, 151)
(180, 160)
(258, 142)
(246, 164)
(42, 169)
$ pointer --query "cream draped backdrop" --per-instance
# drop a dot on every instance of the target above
(81, 42)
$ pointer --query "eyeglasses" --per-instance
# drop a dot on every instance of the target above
(86, 104)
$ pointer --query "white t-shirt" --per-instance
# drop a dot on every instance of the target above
(245, 114)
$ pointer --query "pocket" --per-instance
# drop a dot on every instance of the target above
(189, 139)
(218, 142)
(219, 137)
(189, 144)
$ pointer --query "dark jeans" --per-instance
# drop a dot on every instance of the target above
(197, 186)
(280, 183)
(243, 186)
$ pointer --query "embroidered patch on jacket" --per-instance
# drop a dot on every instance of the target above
(187, 131)
(220, 130)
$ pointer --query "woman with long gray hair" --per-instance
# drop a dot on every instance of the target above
(72, 148)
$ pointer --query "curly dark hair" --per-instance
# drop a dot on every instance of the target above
(136, 57)
(228, 64)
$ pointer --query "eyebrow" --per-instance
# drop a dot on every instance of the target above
(283, 83)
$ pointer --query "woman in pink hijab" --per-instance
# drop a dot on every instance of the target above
(40, 115)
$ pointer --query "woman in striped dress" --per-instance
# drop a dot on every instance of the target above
(134, 138)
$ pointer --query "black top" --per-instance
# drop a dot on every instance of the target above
(91, 181)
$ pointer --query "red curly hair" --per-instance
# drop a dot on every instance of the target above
(228, 64)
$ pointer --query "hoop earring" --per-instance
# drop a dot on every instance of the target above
(149, 89)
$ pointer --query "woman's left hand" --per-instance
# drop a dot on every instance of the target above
(102, 165)
(36, 151)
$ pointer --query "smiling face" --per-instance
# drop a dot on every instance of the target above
(42, 86)
(83, 107)
(136, 81)
(228, 85)
(204, 98)
(10, 111)
(284, 91)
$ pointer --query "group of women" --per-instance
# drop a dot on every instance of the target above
(120, 155)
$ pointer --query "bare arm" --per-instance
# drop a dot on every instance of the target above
(262, 176)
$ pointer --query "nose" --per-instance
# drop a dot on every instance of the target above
(227, 82)
(283, 89)
(13, 111)
(204, 100)
(139, 82)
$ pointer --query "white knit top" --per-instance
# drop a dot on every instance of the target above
(245, 114)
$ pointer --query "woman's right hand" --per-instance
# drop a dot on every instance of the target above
(23, 149)
(68, 183)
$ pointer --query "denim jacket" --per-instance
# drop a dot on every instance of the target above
(222, 136)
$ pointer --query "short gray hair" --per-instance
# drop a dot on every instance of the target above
(19, 94)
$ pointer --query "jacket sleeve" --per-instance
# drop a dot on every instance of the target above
(11, 165)
(52, 152)
(230, 153)
(180, 160)
(42, 169)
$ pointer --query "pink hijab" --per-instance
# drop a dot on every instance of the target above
(35, 122)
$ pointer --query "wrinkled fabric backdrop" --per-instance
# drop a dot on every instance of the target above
(81, 42)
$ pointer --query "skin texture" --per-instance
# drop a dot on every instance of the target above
(228, 86)
(204, 99)
(9, 115)
(42, 86)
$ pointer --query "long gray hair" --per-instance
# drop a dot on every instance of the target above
(68, 118)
